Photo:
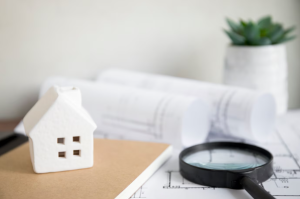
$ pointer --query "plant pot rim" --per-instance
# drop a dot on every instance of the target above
(259, 47)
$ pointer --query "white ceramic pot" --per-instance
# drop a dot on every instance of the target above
(261, 68)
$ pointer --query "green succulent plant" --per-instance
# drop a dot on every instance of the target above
(264, 32)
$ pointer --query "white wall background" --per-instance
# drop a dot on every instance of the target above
(41, 38)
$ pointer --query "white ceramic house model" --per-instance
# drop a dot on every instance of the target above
(60, 132)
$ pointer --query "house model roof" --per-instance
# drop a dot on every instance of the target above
(72, 95)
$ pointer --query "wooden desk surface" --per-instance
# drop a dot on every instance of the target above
(8, 125)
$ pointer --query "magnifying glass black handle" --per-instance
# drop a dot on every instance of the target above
(256, 191)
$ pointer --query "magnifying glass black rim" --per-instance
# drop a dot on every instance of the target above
(225, 178)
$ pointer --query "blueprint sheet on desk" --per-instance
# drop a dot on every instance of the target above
(284, 184)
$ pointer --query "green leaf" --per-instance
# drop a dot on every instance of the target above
(252, 33)
(284, 35)
(235, 38)
(276, 33)
(263, 32)
(287, 31)
(234, 26)
(243, 23)
(264, 22)
(263, 41)
(285, 39)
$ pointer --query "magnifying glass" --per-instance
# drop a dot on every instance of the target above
(228, 165)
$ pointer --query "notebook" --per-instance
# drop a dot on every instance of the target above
(120, 168)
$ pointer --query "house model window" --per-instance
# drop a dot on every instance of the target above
(76, 139)
(62, 154)
(61, 140)
(76, 152)
(54, 124)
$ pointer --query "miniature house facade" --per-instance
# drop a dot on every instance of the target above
(60, 132)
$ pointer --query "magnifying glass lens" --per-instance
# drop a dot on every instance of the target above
(226, 159)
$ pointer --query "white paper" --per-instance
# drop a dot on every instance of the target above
(285, 183)
(130, 113)
(235, 111)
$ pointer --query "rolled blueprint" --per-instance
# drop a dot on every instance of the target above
(130, 113)
(237, 112)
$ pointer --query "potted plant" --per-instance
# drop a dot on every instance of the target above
(256, 58)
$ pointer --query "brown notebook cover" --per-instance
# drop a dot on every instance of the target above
(120, 168)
